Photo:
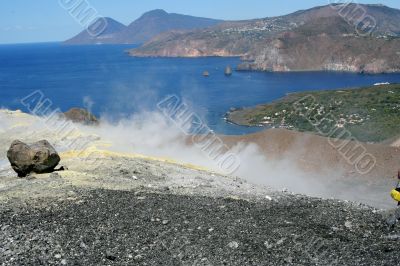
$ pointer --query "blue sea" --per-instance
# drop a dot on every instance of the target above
(109, 81)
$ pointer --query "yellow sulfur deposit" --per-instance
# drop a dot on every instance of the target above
(94, 151)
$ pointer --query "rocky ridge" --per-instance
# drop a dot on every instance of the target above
(321, 38)
(142, 29)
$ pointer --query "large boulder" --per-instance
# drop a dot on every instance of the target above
(39, 157)
(82, 116)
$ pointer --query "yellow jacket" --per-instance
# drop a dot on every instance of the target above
(395, 195)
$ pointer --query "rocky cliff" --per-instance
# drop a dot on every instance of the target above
(325, 44)
(322, 38)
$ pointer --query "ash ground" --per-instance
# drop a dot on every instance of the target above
(130, 211)
(107, 227)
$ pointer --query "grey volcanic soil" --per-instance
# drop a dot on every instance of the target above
(104, 227)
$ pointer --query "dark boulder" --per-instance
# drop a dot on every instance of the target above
(39, 157)
(79, 115)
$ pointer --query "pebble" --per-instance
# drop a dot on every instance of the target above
(280, 241)
(348, 225)
(268, 245)
(289, 259)
(83, 245)
(110, 256)
(233, 245)
(393, 237)
(55, 175)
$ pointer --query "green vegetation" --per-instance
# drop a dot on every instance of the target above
(370, 114)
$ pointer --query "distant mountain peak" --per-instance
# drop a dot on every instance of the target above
(149, 25)
(156, 12)
(112, 27)
(108, 19)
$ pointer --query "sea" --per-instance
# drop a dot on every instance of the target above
(106, 80)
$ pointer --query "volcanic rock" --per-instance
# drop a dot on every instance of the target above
(39, 157)
(82, 116)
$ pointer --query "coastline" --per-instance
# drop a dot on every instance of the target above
(244, 66)
(283, 113)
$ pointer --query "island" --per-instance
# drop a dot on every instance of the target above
(317, 39)
(370, 114)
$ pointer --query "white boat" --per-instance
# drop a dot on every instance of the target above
(228, 71)
(382, 83)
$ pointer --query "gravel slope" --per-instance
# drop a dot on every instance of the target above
(104, 227)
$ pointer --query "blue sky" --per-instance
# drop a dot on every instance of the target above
(45, 20)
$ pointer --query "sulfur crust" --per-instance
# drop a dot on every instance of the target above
(98, 148)
(94, 151)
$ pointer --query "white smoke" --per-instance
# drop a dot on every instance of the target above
(88, 103)
(152, 134)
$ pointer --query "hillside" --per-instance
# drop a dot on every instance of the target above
(316, 154)
(370, 114)
(143, 29)
(325, 44)
(314, 39)
(107, 36)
